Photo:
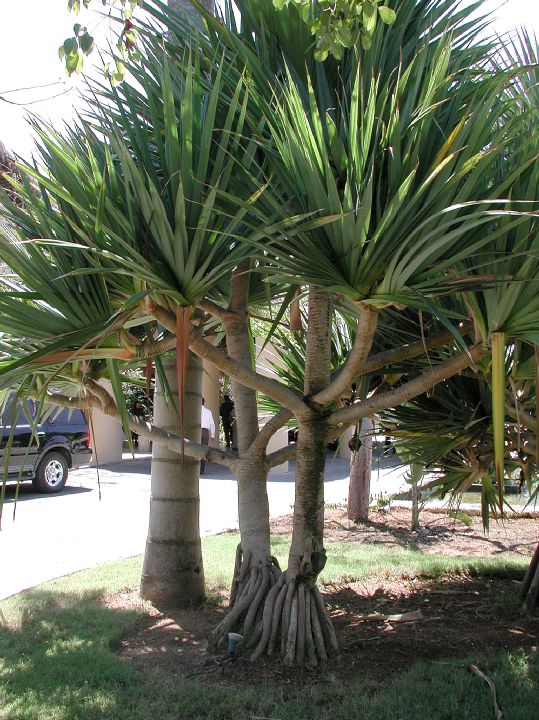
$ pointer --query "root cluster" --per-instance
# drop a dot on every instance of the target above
(275, 613)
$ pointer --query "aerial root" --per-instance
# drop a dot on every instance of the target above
(250, 587)
(276, 612)
(296, 613)
(269, 606)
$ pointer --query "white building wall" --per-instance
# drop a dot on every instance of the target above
(106, 435)
(211, 395)
(266, 359)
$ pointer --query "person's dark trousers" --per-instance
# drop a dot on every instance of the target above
(227, 429)
(204, 440)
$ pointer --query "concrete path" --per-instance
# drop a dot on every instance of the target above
(56, 535)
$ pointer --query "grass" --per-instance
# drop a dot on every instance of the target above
(349, 562)
(57, 661)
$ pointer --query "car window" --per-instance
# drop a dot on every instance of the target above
(65, 416)
(16, 412)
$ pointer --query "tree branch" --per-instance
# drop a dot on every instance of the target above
(213, 309)
(139, 352)
(521, 416)
(101, 400)
(204, 349)
(282, 455)
(406, 352)
(265, 434)
(166, 318)
(366, 327)
(409, 390)
(150, 349)
(101, 353)
(272, 388)
(90, 402)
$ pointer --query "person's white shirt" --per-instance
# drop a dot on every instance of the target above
(206, 421)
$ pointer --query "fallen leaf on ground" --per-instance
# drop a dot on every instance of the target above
(411, 616)
(498, 715)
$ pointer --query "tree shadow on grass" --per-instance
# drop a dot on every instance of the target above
(384, 665)
(56, 654)
(58, 659)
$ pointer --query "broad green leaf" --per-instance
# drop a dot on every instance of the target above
(387, 15)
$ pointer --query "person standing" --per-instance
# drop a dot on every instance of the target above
(207, 430)
(225, 411)
(139, 411)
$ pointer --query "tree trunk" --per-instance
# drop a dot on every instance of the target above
(251, 471)
(253, 509)
(312, 439)
(530, 584)
(173, 570)
(238, 347)
(255, 572)
(308, 527)
(416, 474)
(415, 508)
(360, 474)
(294, 618)
(309, 635)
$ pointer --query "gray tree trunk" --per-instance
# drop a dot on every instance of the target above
(173, 570)
(253, 511)
(307, 631)
(285, 610)
(308, 528)
(255, 574)
(416, 474)
(251, 472)
(360, 474)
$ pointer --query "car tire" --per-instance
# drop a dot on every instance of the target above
(51, 473)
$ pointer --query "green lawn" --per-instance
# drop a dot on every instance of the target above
(57, 662)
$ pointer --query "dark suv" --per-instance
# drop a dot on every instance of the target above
(42, 451)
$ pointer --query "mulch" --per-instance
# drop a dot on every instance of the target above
(383, 627)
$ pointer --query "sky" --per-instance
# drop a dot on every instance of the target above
(34, 29)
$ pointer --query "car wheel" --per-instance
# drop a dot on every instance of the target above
(51, 474)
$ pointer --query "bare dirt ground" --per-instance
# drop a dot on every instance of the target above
(438, 534)
(382, 626)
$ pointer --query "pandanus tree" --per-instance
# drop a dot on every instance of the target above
(95, 198)
(301, 135)
(365, 182)
(287, 105)
(138, 213)
(490, 429)
(403, 160)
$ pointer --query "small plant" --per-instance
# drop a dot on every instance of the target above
(332, 506)
(381, 501)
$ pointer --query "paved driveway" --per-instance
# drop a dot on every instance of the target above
(90, 523)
